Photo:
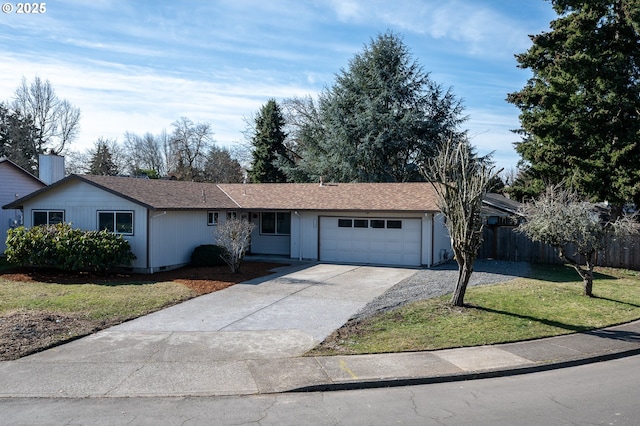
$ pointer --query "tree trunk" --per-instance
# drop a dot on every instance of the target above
(588, 286)
(585, 274)
(587, 279)
(465, 268)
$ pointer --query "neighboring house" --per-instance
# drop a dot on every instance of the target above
(15, 183)
(498, 212)
(164, 220)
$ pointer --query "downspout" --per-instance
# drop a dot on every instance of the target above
(433, 236)
(300, 234)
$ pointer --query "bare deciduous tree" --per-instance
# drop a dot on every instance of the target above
(576, 229)
(189, 144)
(56, 119)
(145, 153)
(235, 236)
(461, 179)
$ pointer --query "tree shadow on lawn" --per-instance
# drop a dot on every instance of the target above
(551, 323)
(563, 273)
(491, 266)
(595, 296)
(622, 335)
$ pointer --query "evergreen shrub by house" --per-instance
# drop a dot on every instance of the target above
(66, 248)
(208, 255)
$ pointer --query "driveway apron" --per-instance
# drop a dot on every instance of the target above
(211, 344)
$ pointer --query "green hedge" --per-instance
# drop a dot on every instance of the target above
(66, 248)
(208, 255)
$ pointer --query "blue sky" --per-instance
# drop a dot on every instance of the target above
(140, 65)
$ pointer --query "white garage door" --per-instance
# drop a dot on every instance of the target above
(359, 240)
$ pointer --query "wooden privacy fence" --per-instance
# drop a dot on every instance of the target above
(504, 243)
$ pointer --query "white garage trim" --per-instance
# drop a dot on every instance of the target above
(383, 240)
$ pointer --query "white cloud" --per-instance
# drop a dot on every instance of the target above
(347, 10)
(115, 98)
(476, 26)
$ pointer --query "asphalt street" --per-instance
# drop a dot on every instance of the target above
(237, 357)
(604, 393)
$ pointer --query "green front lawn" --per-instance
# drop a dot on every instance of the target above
(520, 309)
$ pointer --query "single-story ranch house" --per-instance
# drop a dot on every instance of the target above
(164, 220)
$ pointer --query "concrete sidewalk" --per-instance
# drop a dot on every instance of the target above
(250, 338)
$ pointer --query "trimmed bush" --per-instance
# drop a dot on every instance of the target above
(66, 248)
(208, 255)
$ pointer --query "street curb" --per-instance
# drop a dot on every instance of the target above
(450, 378)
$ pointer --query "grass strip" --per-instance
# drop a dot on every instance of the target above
(96, 301)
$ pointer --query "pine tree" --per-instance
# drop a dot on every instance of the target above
(580, 110)
(101, 160)
(268, 145)
(17, 139)
(381, 119)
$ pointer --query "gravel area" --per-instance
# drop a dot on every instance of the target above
(440, 280)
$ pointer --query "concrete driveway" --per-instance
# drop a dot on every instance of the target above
(215, 344)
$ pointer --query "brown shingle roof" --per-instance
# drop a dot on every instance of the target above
(164, 194)
(180, 195)
(414, 196)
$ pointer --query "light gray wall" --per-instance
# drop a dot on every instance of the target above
(441, 241)
(14, 184)
(81, 202)
(175, 234)
(268, 243)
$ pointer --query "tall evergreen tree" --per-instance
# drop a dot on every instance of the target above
(268, 145)
(101, 162)
(580, 109)
(17, 136)
(381, 119)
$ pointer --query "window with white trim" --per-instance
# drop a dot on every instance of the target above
(118, 222)
(275, 223)
(232, 215)
(47, 217)
(212, 218)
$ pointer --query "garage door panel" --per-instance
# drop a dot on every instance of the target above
(395, 247)
(359, 256)
(384, 241)
(343, 245)
(378, 246)
(394, 258)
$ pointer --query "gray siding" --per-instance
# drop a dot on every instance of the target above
(174, 235)
(81, 203)
(14, 183)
